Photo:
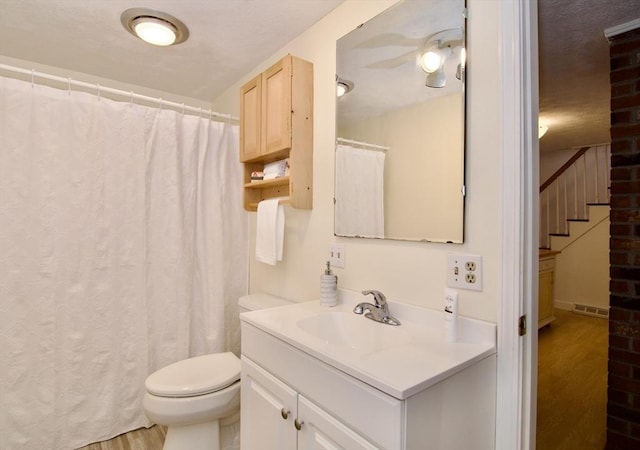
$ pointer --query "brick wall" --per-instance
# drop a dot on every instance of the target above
(623, 406)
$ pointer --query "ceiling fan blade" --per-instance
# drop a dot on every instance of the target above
(392, 63)
(390, 39)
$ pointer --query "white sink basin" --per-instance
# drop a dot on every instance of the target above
(399, 360)
(352, 331)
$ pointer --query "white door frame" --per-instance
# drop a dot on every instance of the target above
(517, 356)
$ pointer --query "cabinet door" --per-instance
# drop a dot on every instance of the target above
(321, 431)
(545, 297)
(250, 121)
(276, 107)
(268, 409)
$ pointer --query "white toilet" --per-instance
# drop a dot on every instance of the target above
(193, 397)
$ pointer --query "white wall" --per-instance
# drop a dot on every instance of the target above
(582, 267)
(87, 78)
(409, 272)
(552, 161)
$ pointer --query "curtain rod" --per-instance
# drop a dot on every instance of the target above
(364, 144)
(128, 94)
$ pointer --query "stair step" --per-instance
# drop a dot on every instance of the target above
(577, 220)
(559, 234)
(598, 204)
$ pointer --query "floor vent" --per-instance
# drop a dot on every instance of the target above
(591, 311)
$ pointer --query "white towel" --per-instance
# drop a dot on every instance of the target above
(276, 169)
(270, 231)
(277, 166)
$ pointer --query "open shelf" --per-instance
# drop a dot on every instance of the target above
(261, 184)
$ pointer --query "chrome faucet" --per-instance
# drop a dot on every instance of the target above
(379, 311)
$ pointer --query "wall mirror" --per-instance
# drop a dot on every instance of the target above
(400, 127)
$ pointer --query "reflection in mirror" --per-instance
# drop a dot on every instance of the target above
(400, 124)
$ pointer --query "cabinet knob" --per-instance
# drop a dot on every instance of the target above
(284, 413)
(298, 424)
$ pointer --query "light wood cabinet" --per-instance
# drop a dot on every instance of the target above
(546, 282)
(250, 101)
(276, 122)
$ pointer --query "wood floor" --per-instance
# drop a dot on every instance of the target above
(572, 383)
(141, 439)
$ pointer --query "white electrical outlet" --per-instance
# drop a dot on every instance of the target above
(464, 271)
(336, 255)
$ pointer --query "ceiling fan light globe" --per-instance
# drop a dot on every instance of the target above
(431, 61)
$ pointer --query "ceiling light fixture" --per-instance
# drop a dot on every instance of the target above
(154, 27)
(343, 86)
(437, 49)
(436, 79)
(462, 64)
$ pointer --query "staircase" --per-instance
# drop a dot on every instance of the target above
(581, 182)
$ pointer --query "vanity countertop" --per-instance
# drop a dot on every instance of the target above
(398, 360)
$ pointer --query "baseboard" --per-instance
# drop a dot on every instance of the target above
(593, 311)
(567, 306)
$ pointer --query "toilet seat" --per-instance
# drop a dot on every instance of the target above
(195, 376)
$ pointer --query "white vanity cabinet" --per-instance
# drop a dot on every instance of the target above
(321, 430)
(334, 409)
(269, 408)
(277, 417)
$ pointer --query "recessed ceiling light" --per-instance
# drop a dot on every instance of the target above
(154, 27)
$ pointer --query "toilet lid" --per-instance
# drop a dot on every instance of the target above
(195, 376)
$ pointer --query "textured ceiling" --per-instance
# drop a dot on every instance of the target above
(380, 58)
(574, 68)
(228, 38)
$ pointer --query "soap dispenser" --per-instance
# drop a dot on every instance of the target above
(328, 288)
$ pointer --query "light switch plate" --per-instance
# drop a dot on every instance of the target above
(336, 255)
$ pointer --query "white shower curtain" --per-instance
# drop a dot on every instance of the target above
(359, 208)
(122, 249)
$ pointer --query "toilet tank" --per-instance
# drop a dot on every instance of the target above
(254, 302)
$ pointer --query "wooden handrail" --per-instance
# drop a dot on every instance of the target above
(564, 167)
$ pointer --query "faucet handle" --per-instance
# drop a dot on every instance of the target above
(378, 297)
